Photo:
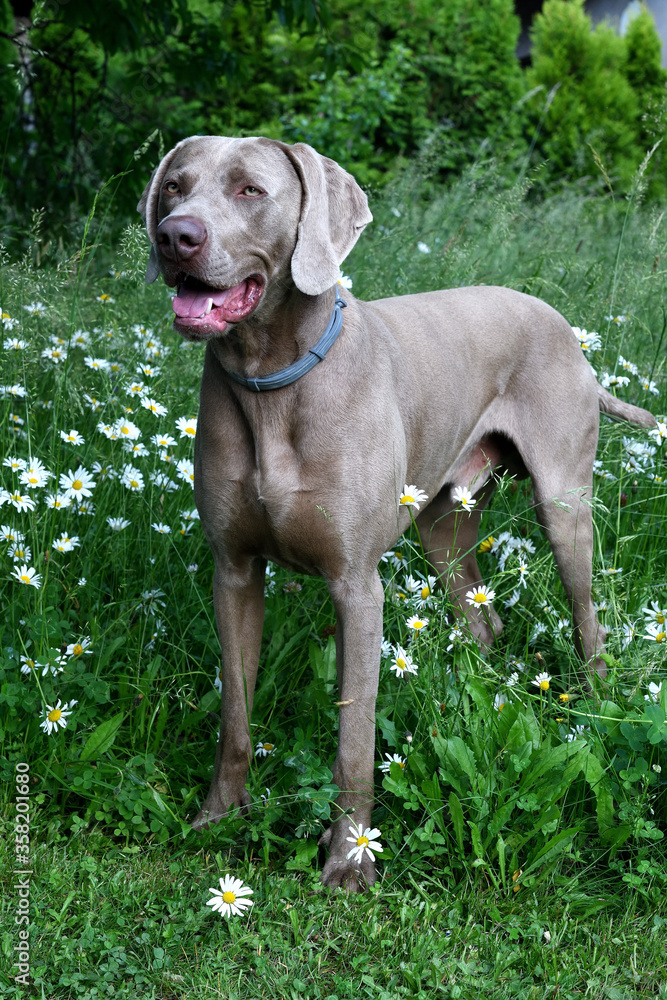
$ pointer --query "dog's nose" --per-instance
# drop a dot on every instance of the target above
(180, 237)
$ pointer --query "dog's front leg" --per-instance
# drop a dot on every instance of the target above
(358, 602)
(238, 597)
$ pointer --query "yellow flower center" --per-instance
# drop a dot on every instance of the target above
(104, 297)
(544, 685)
(134, 484)
(660, 617)
(189, 430)
(32, 479)
(480, 598)
(24, 578)
(563, 698)
(268, 747)
(400, 663)
(362, 841)
(661, 636)
(425, 592)
(228, 897)
(501, 706)
(77, 649)
(397, 555)
(54, 715)
(76, 485)
(417, 625)
(407, 499)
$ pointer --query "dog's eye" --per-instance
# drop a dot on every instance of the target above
(171, 187)
(251, 192)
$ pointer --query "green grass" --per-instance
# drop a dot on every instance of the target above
(497, 829)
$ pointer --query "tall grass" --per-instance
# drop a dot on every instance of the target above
(509, 788)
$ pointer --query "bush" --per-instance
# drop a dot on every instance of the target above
(604, 89)
(594, 105)
(433, 66)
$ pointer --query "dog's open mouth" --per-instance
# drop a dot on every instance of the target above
(201, 310)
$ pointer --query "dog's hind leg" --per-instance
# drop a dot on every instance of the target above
(449, 535)
(564, 512)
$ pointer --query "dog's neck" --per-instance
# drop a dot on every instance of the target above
(282, 332)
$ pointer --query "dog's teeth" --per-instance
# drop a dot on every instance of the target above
(209, 306)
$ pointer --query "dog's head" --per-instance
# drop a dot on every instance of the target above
(229, 217)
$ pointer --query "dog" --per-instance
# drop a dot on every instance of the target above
(317, 411)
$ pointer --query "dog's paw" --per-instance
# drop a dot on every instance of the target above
(351, 877)
(216, 808)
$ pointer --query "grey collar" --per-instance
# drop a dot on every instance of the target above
(293, 372)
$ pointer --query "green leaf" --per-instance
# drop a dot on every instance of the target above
(557, 845)
(636, 736)
(525, 729)
(596, 777)
(610, 716)
(102, 738)
(460, 754)
(457, 818)
(476, 840)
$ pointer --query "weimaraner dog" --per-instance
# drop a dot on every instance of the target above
(306, 467)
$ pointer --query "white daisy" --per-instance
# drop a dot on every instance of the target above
(416, 623)
(364, 844)
(57, 500)
(187, 426)
(231, 899)
(654, 691)
(464, 497)
(480, 596)
(157, 409)
(118, 523)
(66, 543)
(629, 632)
(77, 485)
(401, 663)
(655, 632)
(655, 613)
(542, 681)
(72, 437)
(21, 501)
(27, 575)
(57, 716)
(126, 429)
(500, 701)
(412, 497)
(132, 478)
(392, 758)
(265, 749)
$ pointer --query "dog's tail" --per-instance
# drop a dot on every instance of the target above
(624, 411)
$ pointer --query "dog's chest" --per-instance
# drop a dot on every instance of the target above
(264, 502)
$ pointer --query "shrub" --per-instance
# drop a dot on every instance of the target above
(594, 105)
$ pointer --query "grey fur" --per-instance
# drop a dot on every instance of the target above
(438, 389)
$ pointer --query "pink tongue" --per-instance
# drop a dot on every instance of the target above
(193, 303)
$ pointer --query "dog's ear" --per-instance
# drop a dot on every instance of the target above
(334, 211)
(148, 205)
